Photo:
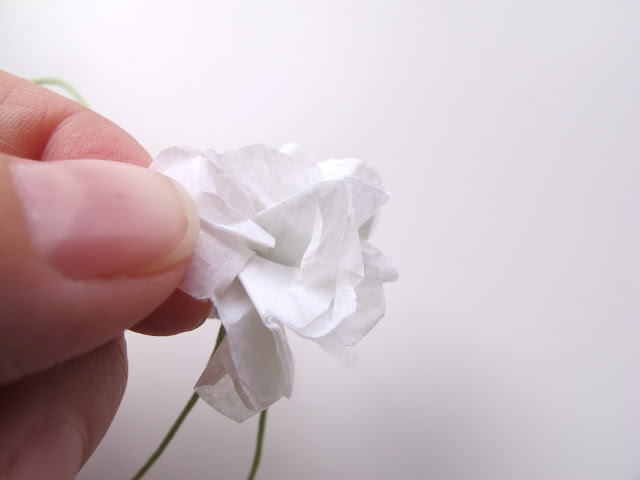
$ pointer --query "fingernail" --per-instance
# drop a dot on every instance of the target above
(55, 449)
(94, 218)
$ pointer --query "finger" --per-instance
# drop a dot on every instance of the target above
(179, 313)
(39, 124)
(53, 421)
(88, 249)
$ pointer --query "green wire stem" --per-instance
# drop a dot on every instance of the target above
(258, 453)
(64, 85)
(176, 425)
(168, 437)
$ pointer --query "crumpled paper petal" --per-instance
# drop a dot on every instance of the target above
(253, 367)
(283, 243)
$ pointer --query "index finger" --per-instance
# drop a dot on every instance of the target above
(38, 124)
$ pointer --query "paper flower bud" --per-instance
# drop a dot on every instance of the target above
(283, 243)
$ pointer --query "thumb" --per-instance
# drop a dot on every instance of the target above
(87, 249)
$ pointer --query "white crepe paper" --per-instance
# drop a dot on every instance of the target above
(283, 243)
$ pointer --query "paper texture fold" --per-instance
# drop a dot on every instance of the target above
(283, 243)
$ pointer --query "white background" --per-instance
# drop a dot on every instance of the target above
(508, 133)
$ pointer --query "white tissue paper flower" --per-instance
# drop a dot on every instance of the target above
(283, 243)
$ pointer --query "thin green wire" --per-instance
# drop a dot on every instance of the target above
(168, 437)
(64, 85)
(176, 425)
(258, 453)
(183, 414)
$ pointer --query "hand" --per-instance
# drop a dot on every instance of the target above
(88, 249)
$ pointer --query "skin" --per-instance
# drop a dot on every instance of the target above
(62, 376)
